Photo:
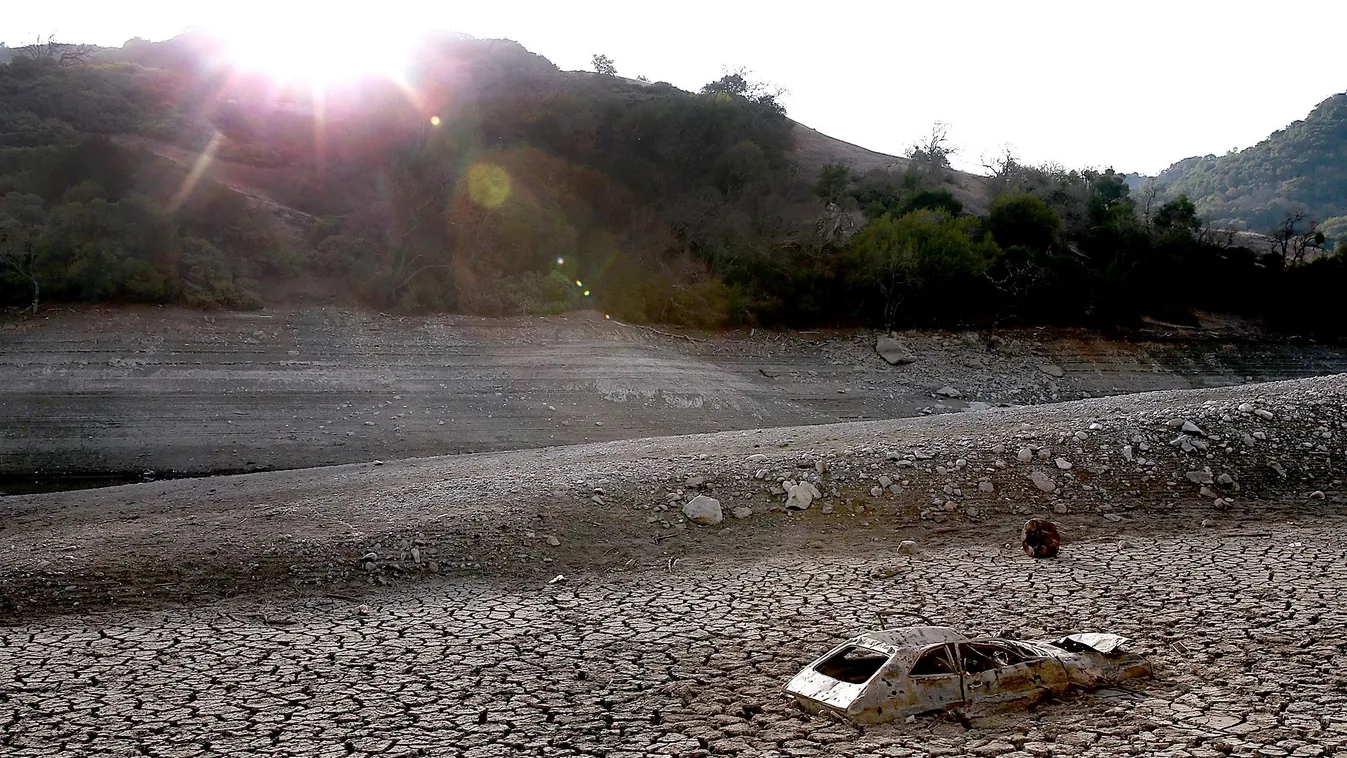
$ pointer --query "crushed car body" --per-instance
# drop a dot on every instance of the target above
(892, 674)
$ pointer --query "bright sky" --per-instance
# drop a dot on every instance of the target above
(1135, 85)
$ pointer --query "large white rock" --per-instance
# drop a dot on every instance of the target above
(800, 496)
(703, 510)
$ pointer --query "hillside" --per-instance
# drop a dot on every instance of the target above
(1302, 167)
(486, 181)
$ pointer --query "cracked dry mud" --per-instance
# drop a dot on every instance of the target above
(1245, 630)
(406, 609)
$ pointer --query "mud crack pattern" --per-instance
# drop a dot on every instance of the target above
(1244, 628)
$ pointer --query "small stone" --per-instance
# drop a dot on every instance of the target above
(1060, 509)
(998, 449)
(884, 481)
(1199, 477)
(1191, 428)
(907, 547)
(1220, 504)
(1052, 370)
(1024, 455)
(1317, 495)
(703, 510)
(1127, 452)
(1264, 414)
(554, 541)
(1206, 491)
(742, 512)
(986, 486)
(1206, 522)
(1063, 464)
(876, 491)
(948, 391)
(1043, 482)
(1225, 480)
(1245, 408)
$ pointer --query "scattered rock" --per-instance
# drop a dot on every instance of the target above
(703, 510)
(1127, 452)
(742, 512)
(1063, 464)
(907, 547)
(1199, 477)
(1317, 495)
(948, 391)
(554, 541)
(1264, 414)
(1191, 428)
(1052, 370)
(986, 486)
(1024, 455)
(893, 352)
(800, 496)
(1043, 481)
(1225, 480)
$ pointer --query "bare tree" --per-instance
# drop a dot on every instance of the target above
(1295, 236)
(930, 155)
(20, 248)
(60, 53)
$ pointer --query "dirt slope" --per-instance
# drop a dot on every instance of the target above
(1190, 456)
(118, 392)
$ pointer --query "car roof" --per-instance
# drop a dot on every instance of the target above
(905, 644)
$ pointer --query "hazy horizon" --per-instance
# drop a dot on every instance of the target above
(1136, 91)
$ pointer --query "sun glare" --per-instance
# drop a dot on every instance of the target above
(318, 51)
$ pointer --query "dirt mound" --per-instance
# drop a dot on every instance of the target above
(1094, 465)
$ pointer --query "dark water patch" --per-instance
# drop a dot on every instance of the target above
(41, 483)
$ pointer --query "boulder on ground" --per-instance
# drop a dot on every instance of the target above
(703, 510)
(893, 351)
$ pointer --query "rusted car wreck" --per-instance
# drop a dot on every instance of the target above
(892, 674)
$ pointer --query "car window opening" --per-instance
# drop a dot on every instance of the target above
(934, 661)
(985, 657)
(854, 665)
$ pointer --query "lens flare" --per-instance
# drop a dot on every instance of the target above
(488, 185)
(434, 120)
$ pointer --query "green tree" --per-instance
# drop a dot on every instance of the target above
(1024, 220)
(924, 253)
(603, 65)
(833, 181)
(1178, 216)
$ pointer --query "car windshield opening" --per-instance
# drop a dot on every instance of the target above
(852, 664)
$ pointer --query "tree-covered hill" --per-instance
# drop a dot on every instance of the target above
(487, 181)
(1302, 168)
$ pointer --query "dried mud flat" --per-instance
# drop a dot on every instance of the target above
(120, 392)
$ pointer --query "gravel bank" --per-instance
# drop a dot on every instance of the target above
(1201, 456)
